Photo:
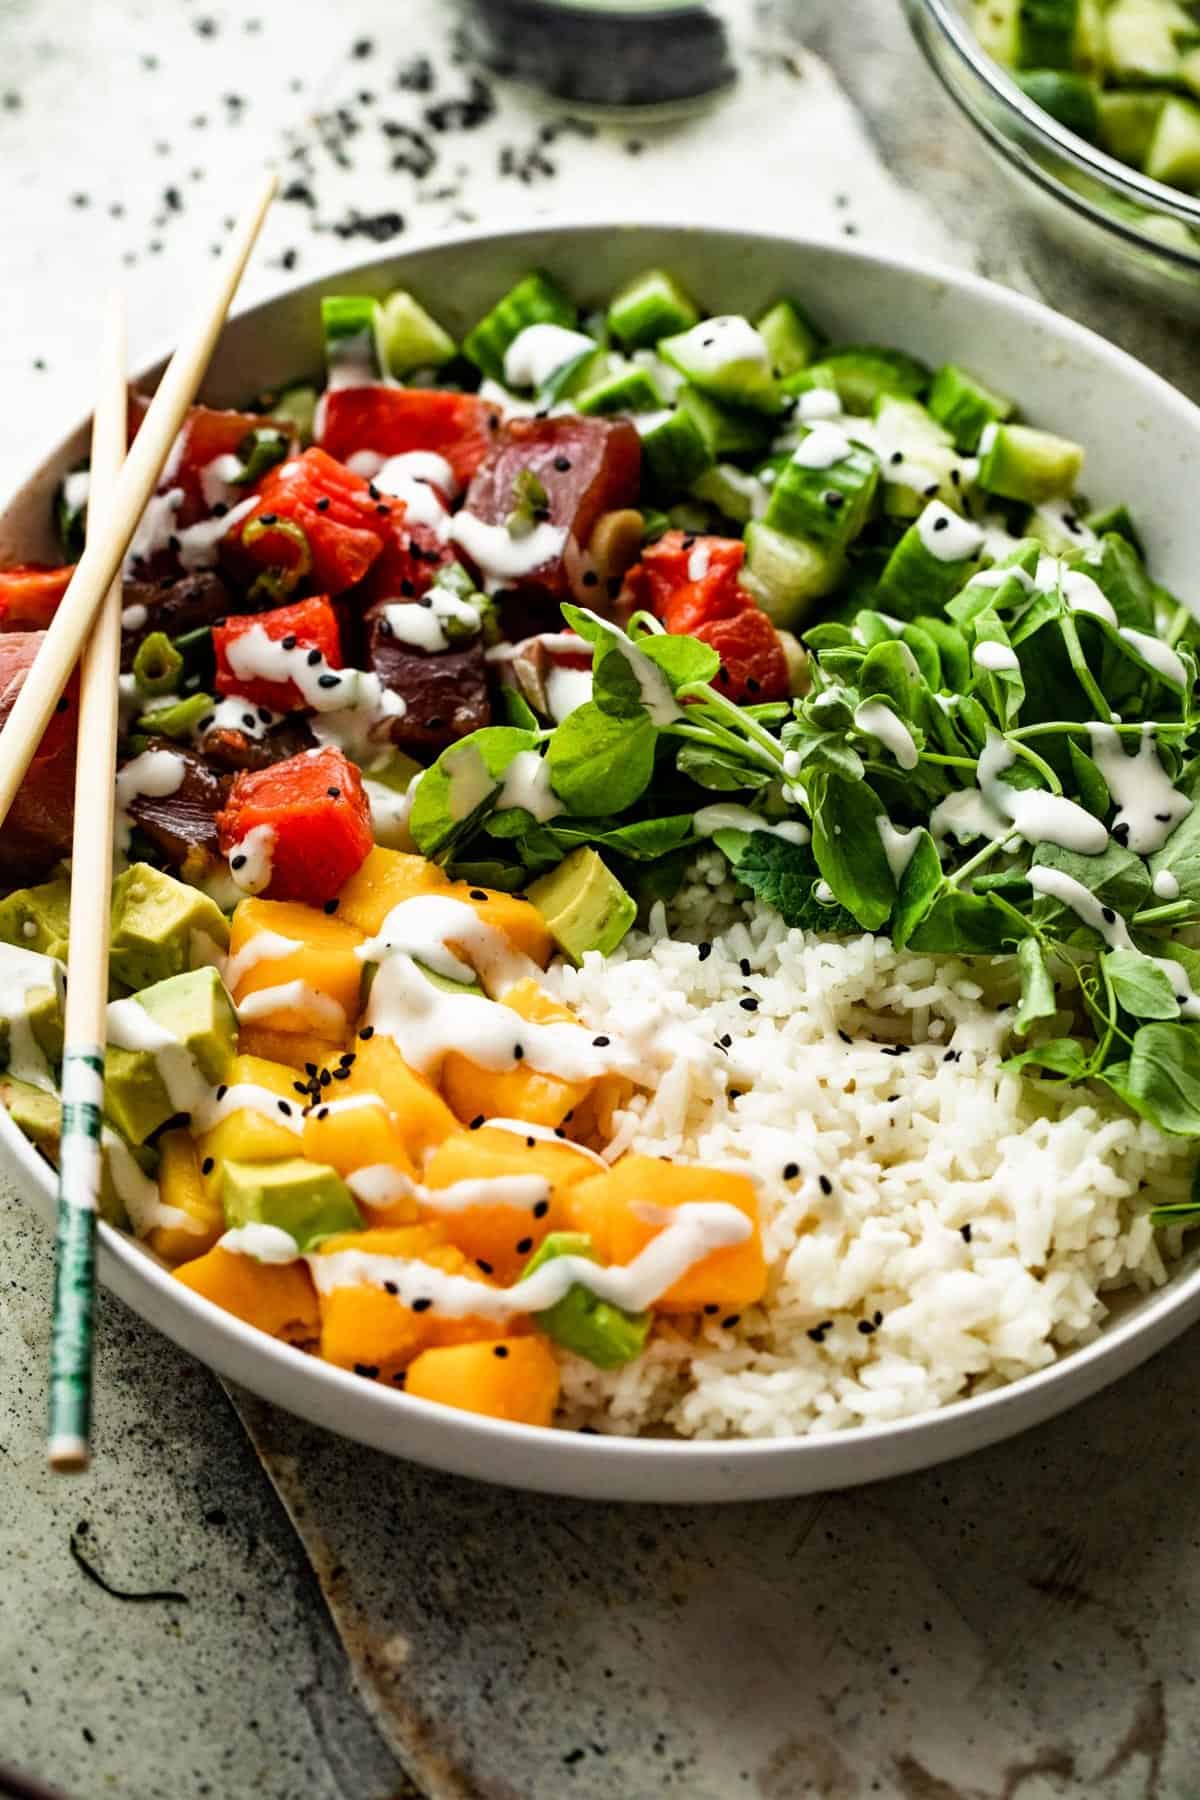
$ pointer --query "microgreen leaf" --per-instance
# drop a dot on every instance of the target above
(848, 848)
(719, 769)
(600, 763)
(1163, 1077)
(1057, 1056)
(1037, 986)
(1140, 986)
(458, 788)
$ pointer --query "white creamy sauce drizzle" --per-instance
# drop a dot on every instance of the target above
(898, 846)
(422, 505)
(877, 720)
(499, 556)
(653, 686)
(264, 946)
(265, 1243)
(1166, 885)
(564, 642)
(1158, 656)
(688, 1234)
(317, 1009)
(155, 528)
(1058, 519)
(996, 578)
(133, 617)
(390, 812)
(824, 446)
(427, 1023)
(197, 545)
(567, 689)
(1039, 817)
(379, 1184)
(995, 658)
(250, 859)
(151, 776)
(138, 1192)
(698, 560)
(430, 928)
(360, 724)
(647, 422)
(130, 1027)
(418, 465)
(256, 656)
(234, 713)
(423, 622)
(946, 536)
(964, 816)
(23, 972)
(527, 783)
(819, 403)
(75, 490)
(539, 351)
(1149, 805)
(726, 816)
(219, 480)
(248, 1096)
(1113, 929)
(1083, 595)
(713, 345)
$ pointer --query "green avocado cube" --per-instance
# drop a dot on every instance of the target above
(36, 918)
(144, 1086)
(584, 905)
(1020, 463)
(31, 1024)
(161, 927)
(605, 1334)
(305, 1199)
(36, 1111)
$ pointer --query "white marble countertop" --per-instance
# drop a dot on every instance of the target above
(1017, 1627)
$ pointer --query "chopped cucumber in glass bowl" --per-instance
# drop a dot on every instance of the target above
(880, 469)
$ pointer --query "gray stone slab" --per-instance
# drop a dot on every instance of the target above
(236, 1688)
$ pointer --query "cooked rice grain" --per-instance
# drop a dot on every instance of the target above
(981, 1215)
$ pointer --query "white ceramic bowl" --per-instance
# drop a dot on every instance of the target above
(1142, 438)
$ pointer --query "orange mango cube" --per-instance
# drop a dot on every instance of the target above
(278, 1298)
(506, 1378)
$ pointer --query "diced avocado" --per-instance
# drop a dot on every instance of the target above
(409, 338)
(965, 406)
(36, 918)
(623, 388)
(161, 927)
(584, 905)
(1126, 121)
(37, 1112)
(650, 307)
(31, 1028)
(727, 358)
(727, 430)
(786, 574)
(307, 1200)
(536, 300)
(448, 984)
(674, 450)
(1067, 97)
(1173, 155)
(1019, 463)
(1141, 38)
(147, 1084)
(791, 338)
(605, 1334)
(860, 373)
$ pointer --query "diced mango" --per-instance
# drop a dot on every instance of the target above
(521, 1092)
(297, 1049)
(367, 1329)
(608, 1208)
(182, 1186)
(594, 1119)
(278, 1298)
(385, 879)
(519, 920)
(251, 1134)
(499, 1237)
(349, 1136)
(323, 960)
(422, 1114)
(506, 1378)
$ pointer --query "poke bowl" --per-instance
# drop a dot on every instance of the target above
(810, 1040)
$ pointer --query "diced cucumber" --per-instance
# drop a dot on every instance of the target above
(727, 430)
(1020, 463)
(861, 373)
(785, 575)
(410, 338)
(574, 375)
(1067, 97)
(933, 560)
(1174, 152)
(623, 389)
(829, 502)
(727, 358)
(1046, 34)
(1141, 41)
(350, 324)
(650, 307)
(674, 449)
(738, 495)
(1125, 122)
(536, 300)
(995, 23)
(791, 338)
(965, 406)
(816, 375)
(297, 407)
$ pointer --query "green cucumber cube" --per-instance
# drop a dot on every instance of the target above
(674, 450)
(625, 388)
(825, 501)
(791, 338)
(930, 565)
(1067, 97)
(350, 323)
(536, 300)
(650, 307)
(1126, 120)
(1018, 462)
(728, 430)
(727, 358)
(786, 574)
(1173, 156)
(965, 406)
(410, 338)
(860, 373)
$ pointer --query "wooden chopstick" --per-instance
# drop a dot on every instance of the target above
(119, 489)
(80, 1150)
(105, 549)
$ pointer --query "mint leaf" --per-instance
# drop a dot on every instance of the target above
(784, 875)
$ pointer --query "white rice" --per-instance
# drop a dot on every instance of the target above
(979, 1218)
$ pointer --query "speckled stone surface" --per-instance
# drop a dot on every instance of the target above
(1022, 1626)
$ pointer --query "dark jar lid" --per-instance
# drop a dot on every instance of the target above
(609, 53)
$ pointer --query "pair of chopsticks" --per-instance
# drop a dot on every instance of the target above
(87, 624)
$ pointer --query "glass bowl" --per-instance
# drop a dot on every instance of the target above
(1128, 225)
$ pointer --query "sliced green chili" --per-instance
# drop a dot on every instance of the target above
(157, 665)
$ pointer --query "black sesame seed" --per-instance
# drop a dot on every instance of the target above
(249, 721)
(938, 525)
(222, 1091)
(1108, 915)
(896, 457)
(329, 681)
(323, 503)
(529, 1143)
(524, 1246)
(703, 952)
(1163, 819)
(289, 642)
(335, 793)
(285, 1108)
(825, 1185)
(367, 1032)
(476, 1122)
(477, 894)
(300, 1087)
(268, 519)
(541, 1209)
(519, 1052)
(965, 1233)
(331, 906)
(590, 578)
(310, 1068)
(790, 1171)
(347, 1058)
(833, 499)
(485, 1266)
(866, 1327)
(613, 586)
(207, 1166)
(845, 1036)
(323, 1113)
(422, 1305)
(237, 862)
(340, 1074)
(729, 1323)
(744, 965)
(710, 1310)
(601, 1043)
(562, 464)
(264, 716)
(500, 1350)
(748, 1005)
(931, 491)
(725, 1041)
(389, 1287)
(325, 1077)
(370, 1370)
(314, 657)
